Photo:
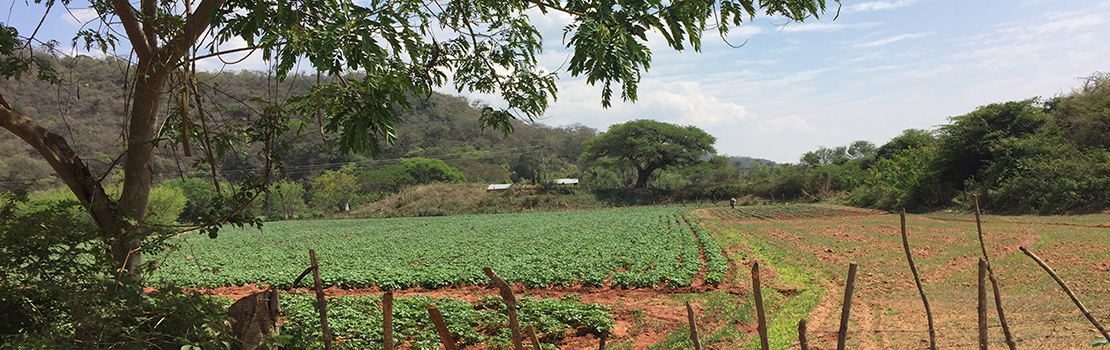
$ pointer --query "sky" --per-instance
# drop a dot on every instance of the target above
(879, 68)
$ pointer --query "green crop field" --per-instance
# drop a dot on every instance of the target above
(628, 246)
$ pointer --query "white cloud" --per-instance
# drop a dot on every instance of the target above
(926, 73)
(690, 104)
(789, 124)
(867, 57)
(1070, 24)
(894, 39)
(80, 16)
(823, 26)
(878, 5)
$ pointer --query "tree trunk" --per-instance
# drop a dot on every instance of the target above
(138, 174)
(642, 176)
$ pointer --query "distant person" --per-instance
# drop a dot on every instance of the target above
(732, 202)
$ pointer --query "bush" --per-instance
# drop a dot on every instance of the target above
(55, 290)
(166, 205)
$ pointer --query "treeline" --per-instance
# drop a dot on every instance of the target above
(1032, 156)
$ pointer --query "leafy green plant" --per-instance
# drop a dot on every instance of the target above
(644, 247)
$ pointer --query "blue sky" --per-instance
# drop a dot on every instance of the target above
(880, 68)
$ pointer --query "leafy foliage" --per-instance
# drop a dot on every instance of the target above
(356, 320)
(54, 289)
(648, 145)
(334, 190)
(637, 247)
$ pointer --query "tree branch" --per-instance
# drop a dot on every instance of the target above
(150, 10)
(195, 25)
(544, 5)
(133, 28)
(62, 159)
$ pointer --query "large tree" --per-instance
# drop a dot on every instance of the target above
(648, 145)
(380, 54)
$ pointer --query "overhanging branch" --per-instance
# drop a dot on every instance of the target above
(62, 159)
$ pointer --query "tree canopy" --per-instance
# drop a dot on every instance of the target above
(378, 56)
(648, 145)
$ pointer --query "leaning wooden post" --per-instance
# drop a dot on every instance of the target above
(323, 303)
(532, 336)
(982, 304)
(1067, 290)
(842, 334)
(604, 336)
(761, 316)
(387, 319)
(803, 341)
(693, 327)
(441, 328)
(994, 282)
(510, 305)
(917, 280)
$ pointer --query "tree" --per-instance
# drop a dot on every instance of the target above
(910, 138)
(399, 49)
(286, 198)
(861, 149)
(648, 145)
(429, 170)
(333, 190)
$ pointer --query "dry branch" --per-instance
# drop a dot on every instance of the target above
(917, 280)
(320, 300)
(532, 336)
(693, 327)
(982, 304)
(757, 290)
(510, 305)
(994, 282)
(842, 334)
(1067, 290)
(387, 319)
(441, 328)
(803, 341)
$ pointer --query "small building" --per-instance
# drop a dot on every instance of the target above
(564, 181)
(498, 187)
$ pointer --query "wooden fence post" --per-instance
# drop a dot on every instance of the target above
(994, 282)
(387, 319)
(532, 336)
(441, 328)
(842, 334)
(510, 305)
(982, 304)
(323, 303)
(917, 280)
(761, 316)
(1067, 290)
(803, 341)
(693, 327)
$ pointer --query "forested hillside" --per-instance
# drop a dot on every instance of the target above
(439, 139)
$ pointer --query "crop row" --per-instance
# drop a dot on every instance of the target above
(774, 211)
(356, 321)
(641, 247)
